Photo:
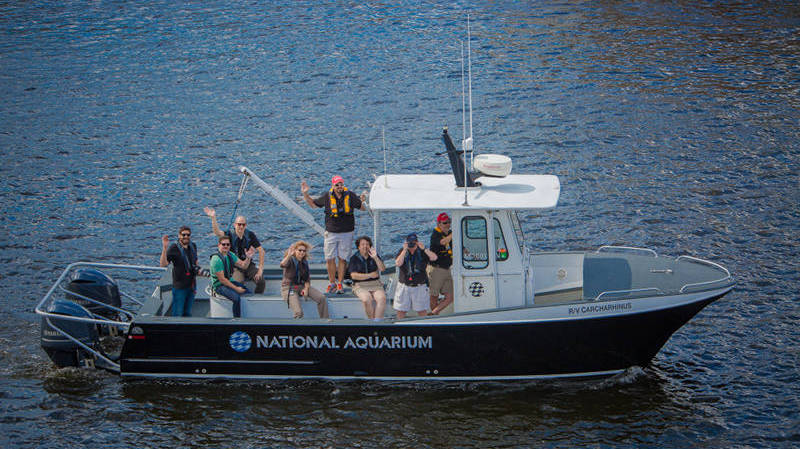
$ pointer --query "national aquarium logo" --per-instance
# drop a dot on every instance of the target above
(240, 341)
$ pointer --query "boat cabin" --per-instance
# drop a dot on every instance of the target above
(491, 265)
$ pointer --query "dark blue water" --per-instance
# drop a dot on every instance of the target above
(674, 126)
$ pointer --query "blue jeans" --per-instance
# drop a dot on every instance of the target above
(182, 300)
(233, 296)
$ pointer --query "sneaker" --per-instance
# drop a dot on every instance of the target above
(331, 287)
(339, 289)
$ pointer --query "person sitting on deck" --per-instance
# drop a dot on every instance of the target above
(441, 281)
(339, 204)
(222, 265)
(242, 239)
(365, 270)
(297, 280)
(183, 256)
(412, 287)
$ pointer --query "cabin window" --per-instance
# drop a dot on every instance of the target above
(474, 245)
(500, 242)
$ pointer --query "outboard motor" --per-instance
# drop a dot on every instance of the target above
(61, 350)
(96, 285)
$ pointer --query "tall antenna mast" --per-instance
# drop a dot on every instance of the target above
(385, 174)
(466, 145)
(469, 72)
(463, 125)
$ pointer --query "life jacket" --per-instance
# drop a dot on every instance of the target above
(227, 264)
(364, 264)
(334, 206)
(414, 264)
(188, 257)
(449, 246)
(235, 242)
(297, 266)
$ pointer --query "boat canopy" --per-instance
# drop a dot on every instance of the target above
(437, 192)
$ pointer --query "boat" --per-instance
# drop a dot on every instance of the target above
(517, 313)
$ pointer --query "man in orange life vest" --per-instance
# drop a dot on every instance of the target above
(441, 281)
(339, 204)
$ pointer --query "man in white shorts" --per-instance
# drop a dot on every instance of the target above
(412, 287)
(339, 204)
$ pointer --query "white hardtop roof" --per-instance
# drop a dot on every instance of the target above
(439, 192)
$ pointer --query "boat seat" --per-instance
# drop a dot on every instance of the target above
(218, 305)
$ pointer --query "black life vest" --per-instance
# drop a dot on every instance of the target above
(188, 257)
(300, 279)
(227, 264)
(235, 242)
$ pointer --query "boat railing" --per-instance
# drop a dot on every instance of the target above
(726, 278)
(605, 248)
(628, 292)
(41, 307)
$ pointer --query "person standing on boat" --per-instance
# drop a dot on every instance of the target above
(242, 239)
(340, 223)
(412, 287)
(365, 270)
(183, 256)
(441, 280)
(222, 265)
(297, 280)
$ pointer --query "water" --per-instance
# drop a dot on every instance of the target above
(672, 126)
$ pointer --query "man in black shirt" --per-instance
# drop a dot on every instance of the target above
(412, 287)
(183, 257)
(439, 270)
(340, 222)
(241, 240)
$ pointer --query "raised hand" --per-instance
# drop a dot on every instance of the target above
(165, 241)
(304, 188)
(210, 212)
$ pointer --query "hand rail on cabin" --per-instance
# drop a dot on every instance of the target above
(621, 292)
(631, 248)
(704, 262)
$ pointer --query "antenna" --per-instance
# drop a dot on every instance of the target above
(469, 72)
(385, 174)
(463, 126)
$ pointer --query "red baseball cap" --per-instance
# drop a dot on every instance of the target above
(442, 217)
(336, 179)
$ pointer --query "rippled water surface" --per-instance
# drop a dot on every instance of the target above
(671, 125)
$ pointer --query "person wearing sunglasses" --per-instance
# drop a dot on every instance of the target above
(296, 281)
(241, 240)
(441, 280)
(222, 264)
(365, 268)
(183, 256)
(340, 223)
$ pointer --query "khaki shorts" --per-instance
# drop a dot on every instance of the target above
(338, 244)
(367, 286)
(441, 280)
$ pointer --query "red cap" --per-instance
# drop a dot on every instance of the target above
(442, 217)
(336, 179)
